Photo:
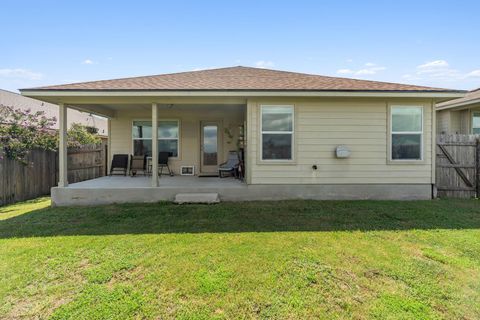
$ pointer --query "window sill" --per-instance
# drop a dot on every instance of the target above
(403, 162)
(276, 162)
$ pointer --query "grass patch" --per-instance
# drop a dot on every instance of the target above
(289, 259)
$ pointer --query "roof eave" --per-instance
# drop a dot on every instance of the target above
(451, 94)
(452, 104)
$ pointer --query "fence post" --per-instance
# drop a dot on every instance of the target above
(477, 167)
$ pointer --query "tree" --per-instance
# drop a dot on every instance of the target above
(79, 135)
(22, 131)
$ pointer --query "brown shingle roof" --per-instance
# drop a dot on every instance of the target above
(239, 78)
(470, 98)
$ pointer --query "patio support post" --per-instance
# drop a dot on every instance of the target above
(154, 145)
(62, 147)
(109, 146)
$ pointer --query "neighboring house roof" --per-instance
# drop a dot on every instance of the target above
(238, 79)
(472, 97)
(18, 101)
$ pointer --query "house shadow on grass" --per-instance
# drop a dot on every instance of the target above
(278, 216)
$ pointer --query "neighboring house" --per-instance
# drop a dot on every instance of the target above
(18, 101)
(460, 116)
(290, 125)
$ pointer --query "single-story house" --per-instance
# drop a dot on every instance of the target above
(301, 135)
(460, 116)
(17, 101)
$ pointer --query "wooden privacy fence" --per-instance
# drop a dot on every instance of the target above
(20, 182)
(457, 166)
(86, 163)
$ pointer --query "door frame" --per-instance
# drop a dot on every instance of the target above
(213, 169)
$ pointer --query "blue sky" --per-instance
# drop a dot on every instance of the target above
(434, 43)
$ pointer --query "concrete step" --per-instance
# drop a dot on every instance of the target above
(209, 198)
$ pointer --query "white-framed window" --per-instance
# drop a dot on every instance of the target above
(168, 133)
(277, 129)
(406, 129)
(476, 122)
(168, 137)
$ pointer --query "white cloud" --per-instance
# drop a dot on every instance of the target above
(20, 74)
(438, 70)
(370, 68)
(436, 64)
(264, 64)
(474, 73)
(441, 73)
(345, 71)
(88, 61)
(410, 77)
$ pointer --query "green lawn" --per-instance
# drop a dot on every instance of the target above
(292, 259)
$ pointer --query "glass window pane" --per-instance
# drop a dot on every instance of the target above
(476, 122)
(142, 129)
(277, 109)
(142, 147)
(168, 145)
(406, 146)
(277, 118)
(406, 119)
(168, 129)
(276, 146)
(210, 147)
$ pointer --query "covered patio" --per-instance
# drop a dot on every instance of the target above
(124, 189)
(165, 182)
(198, 134)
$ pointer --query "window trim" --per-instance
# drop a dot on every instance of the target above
(261, 132)
(178, 157)
(390, 159)
(472, 115)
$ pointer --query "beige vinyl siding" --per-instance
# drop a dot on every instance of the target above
(322, 125)
(456, 121)
(459, 121)
(189, 145)
(465, 121)
(443, 121)
(455, 125)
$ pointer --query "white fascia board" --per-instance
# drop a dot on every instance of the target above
(380, 94)
(459, 104)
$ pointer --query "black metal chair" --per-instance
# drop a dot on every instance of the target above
(137, 164)
(119, 163)
(163, 162)
(231, 166)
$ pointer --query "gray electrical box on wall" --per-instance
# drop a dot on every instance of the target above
(342, 152)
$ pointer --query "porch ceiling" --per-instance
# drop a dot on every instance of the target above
(107, 106)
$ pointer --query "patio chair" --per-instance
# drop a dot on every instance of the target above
(119, 163)
(231, 166)
(137, 163)
(163, 162)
